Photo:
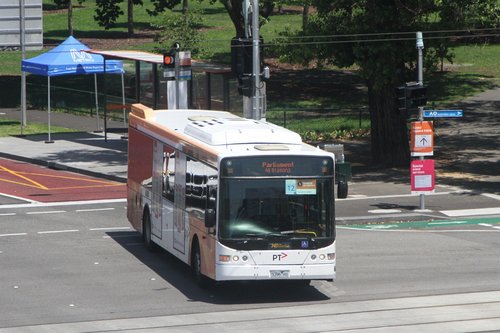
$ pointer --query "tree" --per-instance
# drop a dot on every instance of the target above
(179, 28)
(68, 4)
(235, 9)
(386, 59)
(108, 11)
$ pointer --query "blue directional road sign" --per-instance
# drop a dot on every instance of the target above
(443, 113)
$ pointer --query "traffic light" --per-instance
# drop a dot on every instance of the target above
(411, 95)
(401, 99)
(416, 95)
(242, 55)
(245, 86)
(169, 60)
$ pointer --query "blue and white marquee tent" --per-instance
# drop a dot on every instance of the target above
(70, 58)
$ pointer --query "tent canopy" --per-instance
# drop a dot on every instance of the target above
(69, 58)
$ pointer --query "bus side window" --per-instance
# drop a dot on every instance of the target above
(168, 173)
(211, 212)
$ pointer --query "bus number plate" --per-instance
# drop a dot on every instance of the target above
(280, 274)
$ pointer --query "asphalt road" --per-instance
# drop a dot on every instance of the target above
(25, 182)
(79, 267)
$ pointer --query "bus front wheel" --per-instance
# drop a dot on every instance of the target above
(200, 279)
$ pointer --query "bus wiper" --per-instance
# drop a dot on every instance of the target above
(256, 236)
(299, 231)
(276, 234)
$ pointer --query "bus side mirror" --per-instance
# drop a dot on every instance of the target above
(209, 218)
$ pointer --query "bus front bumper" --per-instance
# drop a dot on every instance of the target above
(228, 272)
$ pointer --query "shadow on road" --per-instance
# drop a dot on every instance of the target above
(178, 274)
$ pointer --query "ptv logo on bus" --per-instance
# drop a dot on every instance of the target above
(280, 256)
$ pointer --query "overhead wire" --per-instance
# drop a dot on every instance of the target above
(447, 34)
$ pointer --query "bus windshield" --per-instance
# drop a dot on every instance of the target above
(259, 213)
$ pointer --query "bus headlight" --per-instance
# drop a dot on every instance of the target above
(322, 256)
(236, 258)
(331, 256)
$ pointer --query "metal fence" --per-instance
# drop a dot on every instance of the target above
(212, 89)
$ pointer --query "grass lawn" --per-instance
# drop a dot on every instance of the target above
(10, 127)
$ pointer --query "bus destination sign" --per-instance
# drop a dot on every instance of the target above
(273, 167)
(276, 166)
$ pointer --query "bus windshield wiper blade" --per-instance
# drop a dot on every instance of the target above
(276, 234)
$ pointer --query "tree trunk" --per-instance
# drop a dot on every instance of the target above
(185, 6)
(305, 17)
(70, 18)
(389, 133)
(130, 18)
(234, 9)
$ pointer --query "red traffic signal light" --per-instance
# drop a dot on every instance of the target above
(169, 60)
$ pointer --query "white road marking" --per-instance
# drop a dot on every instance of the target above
(46, 212)
(416, 230)
(360, 197)
(18, 198)
(492, 196)
(110, 228)
(17, 234)
(8, 214)
(57, 231)
(448, 222)
(64, 203)
(472, 212)
(93, 210)
(384, 211)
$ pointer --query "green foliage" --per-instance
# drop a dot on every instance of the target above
(64, 3)
(161, 5)
(180, 28)
(107, 12)
(471, 13)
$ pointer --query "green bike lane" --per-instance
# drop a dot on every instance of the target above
(470, 223)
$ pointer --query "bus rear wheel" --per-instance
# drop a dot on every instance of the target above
(146, 231)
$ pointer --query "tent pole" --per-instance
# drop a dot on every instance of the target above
(123, 103)
(48, 109)
(105, 100)
(96, 102)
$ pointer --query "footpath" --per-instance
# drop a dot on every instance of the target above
(466, 154)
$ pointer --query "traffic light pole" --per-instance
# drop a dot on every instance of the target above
(256, 107)
(420, 79)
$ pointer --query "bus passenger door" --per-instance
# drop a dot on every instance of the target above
(181, 229)
(156, 201)
(168, 183)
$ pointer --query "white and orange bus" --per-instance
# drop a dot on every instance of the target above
(234, 198)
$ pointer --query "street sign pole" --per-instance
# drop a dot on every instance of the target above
(420, 73)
